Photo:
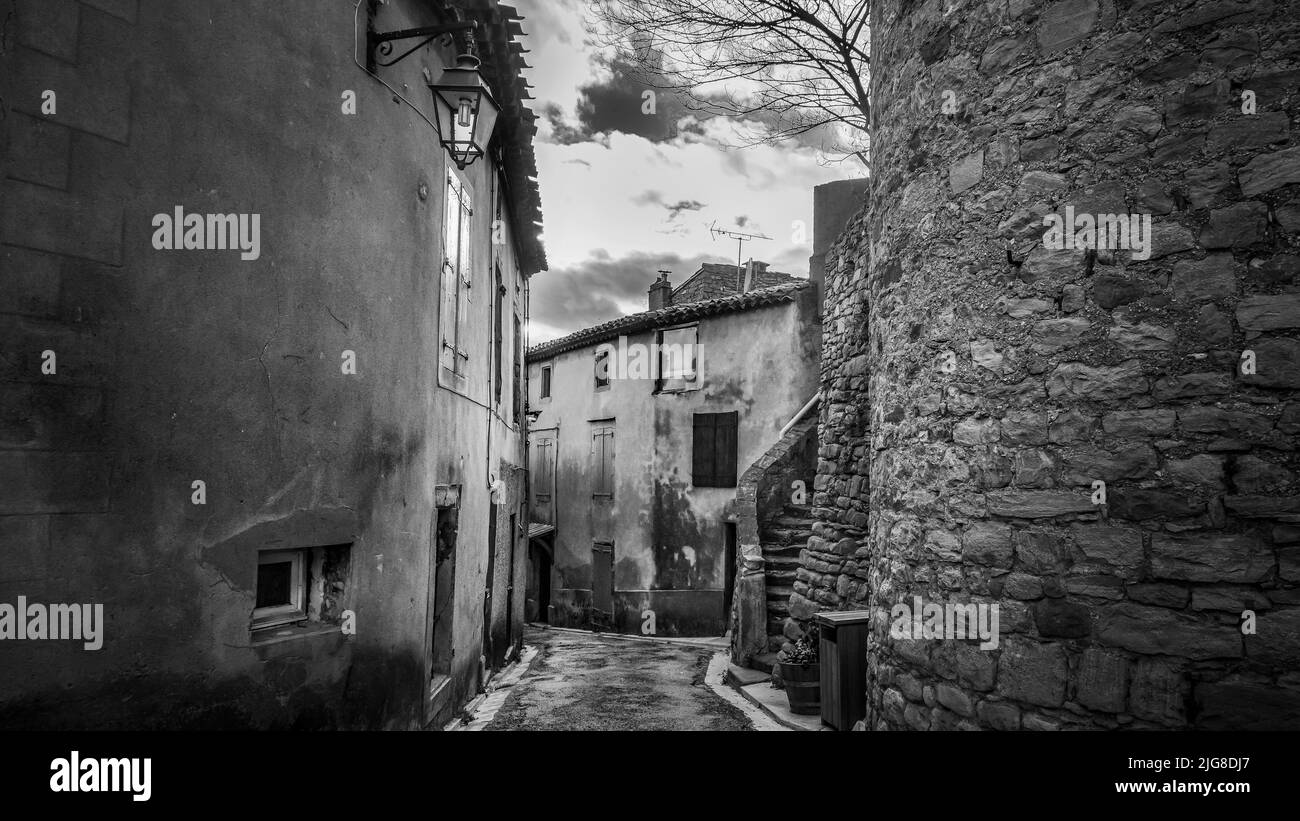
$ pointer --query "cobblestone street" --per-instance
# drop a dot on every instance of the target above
(581, 681)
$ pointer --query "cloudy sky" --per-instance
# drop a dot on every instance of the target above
(625, 194)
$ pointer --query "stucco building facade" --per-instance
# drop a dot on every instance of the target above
(635, 467)
(294, 478)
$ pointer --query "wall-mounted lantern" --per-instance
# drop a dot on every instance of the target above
(465, 112)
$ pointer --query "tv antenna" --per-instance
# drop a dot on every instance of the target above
(740, 239)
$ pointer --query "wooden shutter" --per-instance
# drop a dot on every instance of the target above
(447, 322)
(498, 341)
(724, 453)
(602, 461)
(607, 461)
(544, 468)
(466, 280)
(702, 438)
(517, 356)
(713, 449)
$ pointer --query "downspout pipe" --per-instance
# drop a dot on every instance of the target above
(812, 403)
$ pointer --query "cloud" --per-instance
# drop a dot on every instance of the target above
(598, 289)
(652, 197)
(649, 198)
(561, 132)
(678, 207)
(622, 100)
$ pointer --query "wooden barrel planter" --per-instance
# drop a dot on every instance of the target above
(803, 687)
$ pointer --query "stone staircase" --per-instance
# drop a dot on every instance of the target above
(782, 539)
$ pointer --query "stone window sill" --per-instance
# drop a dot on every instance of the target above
(292, 632)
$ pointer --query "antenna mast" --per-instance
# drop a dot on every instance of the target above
(740, 239)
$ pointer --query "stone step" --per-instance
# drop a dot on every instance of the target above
(773, 551)
(788, 560)
(776, 578)
(800, 511)
(744, 676)
(785, 536)
(763, 662)
(776, 629)
(798, 522)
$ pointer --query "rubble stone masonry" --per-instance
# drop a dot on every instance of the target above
(978, 384)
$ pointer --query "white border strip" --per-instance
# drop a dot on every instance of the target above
(715, 679)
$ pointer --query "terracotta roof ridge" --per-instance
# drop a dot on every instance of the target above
(645, 320)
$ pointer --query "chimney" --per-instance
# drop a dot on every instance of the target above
(752, 268)
(661, 292)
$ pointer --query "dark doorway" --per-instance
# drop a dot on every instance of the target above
(540, 581)
(602, 585)
(442, 588)
(510, 586)
(729, 582)
(491, 579)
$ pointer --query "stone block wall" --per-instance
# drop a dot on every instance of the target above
(761, 495)
(978, 384)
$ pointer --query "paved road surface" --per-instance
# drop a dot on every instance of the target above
(589, 681)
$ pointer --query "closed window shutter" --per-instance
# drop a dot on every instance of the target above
(702, 448)
(466, 279)
(550, 468)
(544, 474)
(602, 456)
(724, 458)
(447, 318)
(713, 449)
(607, 462)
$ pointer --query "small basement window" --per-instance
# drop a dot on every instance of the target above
(305, 584)
(280, 588)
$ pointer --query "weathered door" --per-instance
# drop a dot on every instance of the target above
(602, 584)
(491, 579)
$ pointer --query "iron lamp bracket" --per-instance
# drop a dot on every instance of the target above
(381, 44)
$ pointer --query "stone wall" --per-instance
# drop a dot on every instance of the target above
(761, 495)
(978, 384)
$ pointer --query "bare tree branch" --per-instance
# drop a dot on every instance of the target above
(791, 65)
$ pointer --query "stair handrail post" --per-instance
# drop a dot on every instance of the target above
(800, 415)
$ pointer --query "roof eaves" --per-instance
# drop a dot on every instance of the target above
(671, 315)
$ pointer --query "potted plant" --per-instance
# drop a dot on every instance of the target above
(801, 674)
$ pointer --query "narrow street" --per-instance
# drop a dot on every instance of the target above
(593, 681)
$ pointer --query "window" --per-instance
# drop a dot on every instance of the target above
(306, 584)
(602, 460)
(456, 277)
(546, 381)
(678, 365)
(280, 587)
(713, 449)
(602, 369)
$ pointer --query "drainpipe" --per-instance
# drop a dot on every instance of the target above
(800, 415)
